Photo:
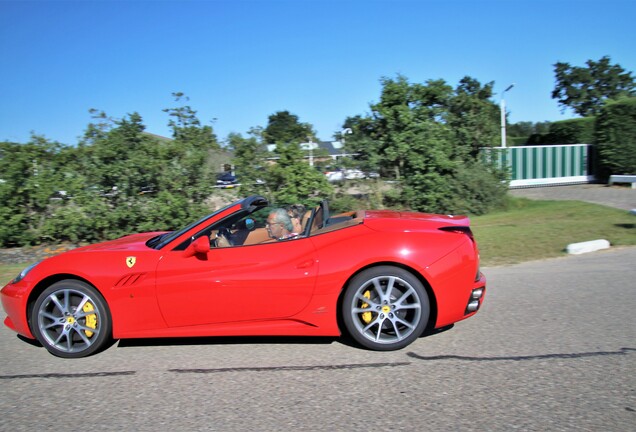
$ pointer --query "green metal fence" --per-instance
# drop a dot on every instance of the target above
(544, 165)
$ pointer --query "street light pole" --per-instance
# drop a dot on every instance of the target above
(311, 152)
(503, 116)
(342, 139)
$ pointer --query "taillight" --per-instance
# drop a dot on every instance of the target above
(460, 230)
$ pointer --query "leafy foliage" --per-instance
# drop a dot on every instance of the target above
(526, 129)
(250, 160)
(586, 89)
(288, 179)
(573, 131)
(427, 137)
(616, 137)
(293, 180)
(284, 127)
(424, 136)
(530, 133)
(116, 181)
(473, 116)
(30, 177)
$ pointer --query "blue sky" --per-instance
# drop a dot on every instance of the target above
(240, 61)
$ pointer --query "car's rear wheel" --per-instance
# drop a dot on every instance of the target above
(385, 308)
(70, 319)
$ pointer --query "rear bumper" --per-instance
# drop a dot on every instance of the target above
(454, 298)
(477, 295)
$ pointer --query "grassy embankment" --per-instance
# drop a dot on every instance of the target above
(528, 230)
(532, 229)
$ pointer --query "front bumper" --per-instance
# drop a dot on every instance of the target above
(14, 301)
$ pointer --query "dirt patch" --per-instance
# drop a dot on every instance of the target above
(29, 254)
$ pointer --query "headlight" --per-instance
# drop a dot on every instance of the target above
(24, 272)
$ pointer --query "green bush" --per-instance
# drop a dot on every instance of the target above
(478, 190)
(616, 137)
(573, 131)
(343, 202)
(516, 141)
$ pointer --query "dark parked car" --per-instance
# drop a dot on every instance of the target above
(226, 180)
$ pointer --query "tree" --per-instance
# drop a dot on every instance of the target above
(284, 127)
(586, 89)
(527, 128)
(31, 176)
(117, 180)
(473, 116)
(192, 161)
(428, 136)
(128, 181)
(250, 160)
(292, 180)
(186, 126)
(121, 157)
(397, 118)
(364, 143)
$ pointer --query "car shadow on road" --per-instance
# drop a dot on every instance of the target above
(229, 340)
(237, 340)
(255, 340)
(32, 342)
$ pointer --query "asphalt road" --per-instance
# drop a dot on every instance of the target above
(554, 348)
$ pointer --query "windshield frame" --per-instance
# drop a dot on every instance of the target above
(169, 237)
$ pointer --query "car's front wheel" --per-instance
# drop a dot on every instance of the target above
(71, 319)
(385, 308)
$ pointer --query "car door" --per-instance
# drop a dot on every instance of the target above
(259, 282)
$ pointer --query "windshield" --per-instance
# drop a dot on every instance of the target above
(164, 239)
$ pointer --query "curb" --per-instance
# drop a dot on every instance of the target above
(588, 246)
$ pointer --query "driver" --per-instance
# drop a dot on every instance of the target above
(279, 225)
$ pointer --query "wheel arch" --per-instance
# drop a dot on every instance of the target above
(432, 319)
(47, 282)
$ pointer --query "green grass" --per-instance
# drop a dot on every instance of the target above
(533, 229)
(10, 271)
(528, 230)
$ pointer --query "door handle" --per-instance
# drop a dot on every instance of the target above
(305, 264)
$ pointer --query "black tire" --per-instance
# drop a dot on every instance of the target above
(71, 319)
(385, 308)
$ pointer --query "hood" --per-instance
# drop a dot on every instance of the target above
(129, 242)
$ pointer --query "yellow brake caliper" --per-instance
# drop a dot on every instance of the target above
(366, 316)
(91, 320)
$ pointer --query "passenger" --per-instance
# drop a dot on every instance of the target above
(279, 225)
(296, 212)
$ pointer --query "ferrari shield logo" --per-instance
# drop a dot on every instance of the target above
(130, 261)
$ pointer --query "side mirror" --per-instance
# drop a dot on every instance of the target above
(199, 246)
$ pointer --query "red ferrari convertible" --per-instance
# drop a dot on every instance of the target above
(382, 277)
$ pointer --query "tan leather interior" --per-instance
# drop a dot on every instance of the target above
(259, 235)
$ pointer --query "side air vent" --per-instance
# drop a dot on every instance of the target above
(130, 279)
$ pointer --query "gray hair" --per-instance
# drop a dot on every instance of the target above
(281, 216)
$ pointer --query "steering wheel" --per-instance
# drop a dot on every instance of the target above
(223, 236)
